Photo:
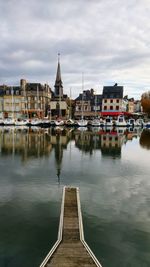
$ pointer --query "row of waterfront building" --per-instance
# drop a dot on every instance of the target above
(36, 100)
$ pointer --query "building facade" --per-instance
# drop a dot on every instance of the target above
(112, 100)
(10, 101)
(36, 99)
(88, 104)
(28, 99)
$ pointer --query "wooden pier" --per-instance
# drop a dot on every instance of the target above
(70, 250)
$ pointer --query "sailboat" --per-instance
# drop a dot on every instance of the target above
(69, 122)
(82, 122)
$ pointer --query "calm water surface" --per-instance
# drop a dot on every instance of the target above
(112, 170)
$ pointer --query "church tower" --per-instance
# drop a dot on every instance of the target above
(58, 82)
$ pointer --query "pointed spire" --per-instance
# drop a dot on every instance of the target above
(58, 75)
(58, 82)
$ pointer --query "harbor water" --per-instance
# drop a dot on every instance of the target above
(111, 167)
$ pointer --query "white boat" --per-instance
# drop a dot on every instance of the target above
(52, 122)
(108, 122)
(45, 122)
(95, 122)
(36, 122)
(9, 121)
(69, 122)
(120, 122)
(102, 122)
(82, 123)
(59, 122)
(21, 122)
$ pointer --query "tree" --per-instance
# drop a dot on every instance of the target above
(145, 139)
(145, 102)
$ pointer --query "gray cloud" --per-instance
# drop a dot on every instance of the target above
(106, 40)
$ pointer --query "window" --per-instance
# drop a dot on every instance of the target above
(111, 101)
(105, 100)
(105, 107)
(117, 100)
(117, 107)
(111, 107)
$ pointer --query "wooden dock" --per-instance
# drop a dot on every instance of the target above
(70, 250)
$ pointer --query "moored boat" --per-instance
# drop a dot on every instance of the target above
(108, 122)
(36, 122)
(59, 122)
(95, 122)
(120, 122)
(9, 121)
(82, 123)
(69, 122)
(21, 122)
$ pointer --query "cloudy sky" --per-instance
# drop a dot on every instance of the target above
(107, 40)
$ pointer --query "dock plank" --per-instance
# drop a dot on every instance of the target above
(70, 252)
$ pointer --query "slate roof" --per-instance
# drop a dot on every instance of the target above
(113, 91)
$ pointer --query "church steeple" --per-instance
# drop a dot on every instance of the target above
(58, 82)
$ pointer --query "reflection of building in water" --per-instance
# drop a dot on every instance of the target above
(145, 139)
(87, 141)
(111, 143)
(27, 143)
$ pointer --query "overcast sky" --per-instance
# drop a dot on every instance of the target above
(107, 40)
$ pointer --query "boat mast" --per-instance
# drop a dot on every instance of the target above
(59, 90)
(25, 101)
(12, 99)
(82, 93)
(95, 105)
(38, 100)
(70, 105)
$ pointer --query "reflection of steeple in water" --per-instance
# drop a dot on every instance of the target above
(58, 156)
